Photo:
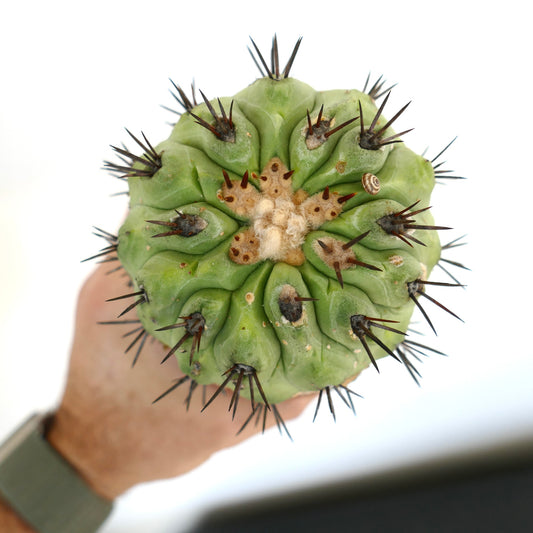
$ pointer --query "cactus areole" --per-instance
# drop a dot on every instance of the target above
(279, 240)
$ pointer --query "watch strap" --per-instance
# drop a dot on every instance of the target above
(43, 488)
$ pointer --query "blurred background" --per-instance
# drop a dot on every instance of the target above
(75, 74)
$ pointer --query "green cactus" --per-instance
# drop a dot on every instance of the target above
(278, 241)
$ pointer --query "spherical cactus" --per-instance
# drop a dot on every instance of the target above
(278, 241)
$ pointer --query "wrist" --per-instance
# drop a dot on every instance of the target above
(77, 441)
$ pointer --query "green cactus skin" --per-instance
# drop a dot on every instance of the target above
(257, 252)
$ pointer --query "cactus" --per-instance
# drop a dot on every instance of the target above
(278, 241)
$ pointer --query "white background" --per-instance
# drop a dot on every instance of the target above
(74, 75)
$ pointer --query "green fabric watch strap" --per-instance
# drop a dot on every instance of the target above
(42, 487)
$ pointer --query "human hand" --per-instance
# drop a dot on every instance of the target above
(106, 425)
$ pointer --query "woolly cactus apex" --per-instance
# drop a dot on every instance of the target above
(279, 240)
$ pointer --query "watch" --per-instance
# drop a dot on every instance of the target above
(43, 488)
